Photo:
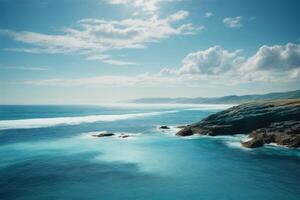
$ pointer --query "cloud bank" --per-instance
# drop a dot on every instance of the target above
(213, 66)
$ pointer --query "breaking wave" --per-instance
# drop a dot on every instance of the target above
(47, 122)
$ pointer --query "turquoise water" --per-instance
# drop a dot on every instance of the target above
(47, 152)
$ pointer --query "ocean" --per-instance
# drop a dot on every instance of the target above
(48, 152)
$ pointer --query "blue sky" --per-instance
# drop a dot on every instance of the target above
(95, 51)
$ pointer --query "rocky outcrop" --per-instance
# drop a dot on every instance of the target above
(277, 118)
(104, 135)
(285, 133)
(124, 136)
(108, 134)
(164, 127)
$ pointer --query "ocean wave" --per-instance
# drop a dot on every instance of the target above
(48, 122)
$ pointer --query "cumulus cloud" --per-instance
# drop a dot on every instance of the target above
(97, 36)
(269, 63)
(275, 58)
(233, 22)
(213, 60)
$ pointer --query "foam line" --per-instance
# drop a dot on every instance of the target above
(47, 122)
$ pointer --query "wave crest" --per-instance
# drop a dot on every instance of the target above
(48, 122)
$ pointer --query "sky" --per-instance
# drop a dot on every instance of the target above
(104, 51)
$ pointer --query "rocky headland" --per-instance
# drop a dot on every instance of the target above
(265, 122)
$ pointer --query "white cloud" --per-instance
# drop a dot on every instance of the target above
(145, 5)
(23, 68)
(295, 73)
(136, 13)
(233, 22)
(275, 58)
(213, 60)
(107, 59)
(99, 57)
(149, 6)
(214, 66)
(269, 64)
(182, 14)
(208, 14)
(98, 36)
(107, 81)
(118, 62)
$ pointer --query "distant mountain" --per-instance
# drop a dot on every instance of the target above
(232, 99)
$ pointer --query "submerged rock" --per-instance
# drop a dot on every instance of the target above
(104, 135)
(267, 122)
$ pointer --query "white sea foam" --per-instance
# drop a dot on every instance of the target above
(211, 107)
(235, 144)
(235, 141)
(171, 131)
(47, 122)
(192, 137)
(273, 144)
(117, 135)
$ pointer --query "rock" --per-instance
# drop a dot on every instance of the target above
(182, 126)
(164, 127)
(185, 132)
(267, 122)
(253, 143)
(294, 142)
(104, 135)
(285, 133)
(124, 136)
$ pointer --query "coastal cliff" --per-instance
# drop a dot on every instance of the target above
(265, 122)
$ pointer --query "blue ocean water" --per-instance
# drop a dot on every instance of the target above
(47, 152)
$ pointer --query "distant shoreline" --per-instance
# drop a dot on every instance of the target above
(231, 99)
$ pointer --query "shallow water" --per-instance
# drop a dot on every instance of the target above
(47, 152)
